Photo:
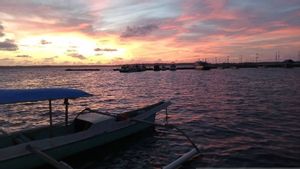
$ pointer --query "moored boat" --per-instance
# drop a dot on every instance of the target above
(90, 128)
(202, 65)
(173, 67)
(132, 68)
(156, 67)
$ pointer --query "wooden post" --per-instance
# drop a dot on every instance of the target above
(66, 102)
(50, 118)
(50, 113)
(167, 115)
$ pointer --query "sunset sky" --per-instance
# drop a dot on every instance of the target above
(68, 32)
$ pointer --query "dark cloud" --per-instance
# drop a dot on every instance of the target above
(44, 42)
(8, 45)
(76, 14)
(119, 59)
(6, 61)
(105, 50)
(207, 19)
(23, 56)
(137, 31)
(1, 30)
(50, 59)
(77, 55)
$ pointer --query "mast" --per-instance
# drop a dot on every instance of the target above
(66, 103)
(256, 57)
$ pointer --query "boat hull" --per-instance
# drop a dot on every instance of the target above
(32, 160)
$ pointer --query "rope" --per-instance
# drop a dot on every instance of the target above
(82, 111)
(120, 117)
(167, 126)
(88, 110)
(170, 126)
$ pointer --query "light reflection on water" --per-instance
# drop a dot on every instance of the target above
(239, 118)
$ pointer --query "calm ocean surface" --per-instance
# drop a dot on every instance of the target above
(239, 118)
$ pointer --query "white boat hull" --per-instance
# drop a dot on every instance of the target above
(18, 157)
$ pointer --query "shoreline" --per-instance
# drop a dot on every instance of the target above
(283, 64)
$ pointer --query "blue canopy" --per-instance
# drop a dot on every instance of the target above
(8, 96)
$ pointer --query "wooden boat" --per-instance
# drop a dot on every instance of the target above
(173, 67)
(90, 128)
(202, 65)
(132, 68)
(156, 67)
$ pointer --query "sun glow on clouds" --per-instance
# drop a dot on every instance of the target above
(70, 47)
(117, 32)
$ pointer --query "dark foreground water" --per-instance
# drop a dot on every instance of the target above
(239, 118)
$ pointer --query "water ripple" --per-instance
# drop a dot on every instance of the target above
(239, 118)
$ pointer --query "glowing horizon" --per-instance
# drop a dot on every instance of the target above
(77, 32)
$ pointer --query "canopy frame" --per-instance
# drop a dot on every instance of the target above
(11, 96)
(66, 103)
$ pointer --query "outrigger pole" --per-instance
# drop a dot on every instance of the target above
(47, 158)
(44, 156)
(169, 126)
(194, 152)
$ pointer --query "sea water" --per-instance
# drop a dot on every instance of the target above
(237, 117)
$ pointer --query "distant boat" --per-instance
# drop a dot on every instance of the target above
(173, 67)
(132, 68)
(156, 67)
(90, 128)
(202, 65)
(289, 63)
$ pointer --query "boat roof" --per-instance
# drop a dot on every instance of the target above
(9, 96)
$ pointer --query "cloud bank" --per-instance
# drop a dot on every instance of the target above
(169, 30)
(8, 45)
(137, 31)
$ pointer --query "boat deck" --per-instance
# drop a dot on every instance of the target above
(35, 134)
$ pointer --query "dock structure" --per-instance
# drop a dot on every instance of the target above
(187, 66)
(81, 69)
